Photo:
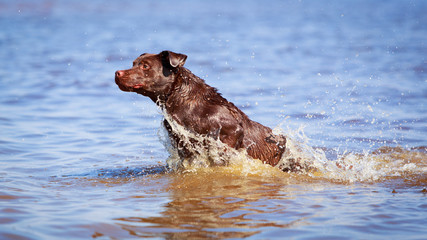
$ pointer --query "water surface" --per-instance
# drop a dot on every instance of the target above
(345, 80)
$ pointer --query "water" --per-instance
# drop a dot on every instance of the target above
(345, 80)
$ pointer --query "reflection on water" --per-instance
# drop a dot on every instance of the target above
(221, 203)
(207, 206)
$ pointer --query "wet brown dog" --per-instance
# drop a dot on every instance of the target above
(198, 107)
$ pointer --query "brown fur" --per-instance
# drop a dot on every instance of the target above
(198, 107)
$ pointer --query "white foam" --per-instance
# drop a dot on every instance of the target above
(354, 167)
(207, 151)
(348, 167)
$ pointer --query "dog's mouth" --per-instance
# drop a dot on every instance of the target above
(138, 86)
(129, 88)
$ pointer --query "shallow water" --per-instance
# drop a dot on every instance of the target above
(345, 80)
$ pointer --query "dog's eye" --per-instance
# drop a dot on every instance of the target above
(145, 66)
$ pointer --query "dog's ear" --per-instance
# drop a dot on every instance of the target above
(174, 59)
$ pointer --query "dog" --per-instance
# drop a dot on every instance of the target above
(199, 108)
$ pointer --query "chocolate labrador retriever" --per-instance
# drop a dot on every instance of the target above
(198, 107)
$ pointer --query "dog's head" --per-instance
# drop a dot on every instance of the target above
(152, 75)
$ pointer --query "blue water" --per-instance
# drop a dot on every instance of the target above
(81, 159)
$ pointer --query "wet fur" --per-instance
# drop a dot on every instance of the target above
(191, 103)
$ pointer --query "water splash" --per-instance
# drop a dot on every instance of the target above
(206, 151)
(382, 163)
(349, 167)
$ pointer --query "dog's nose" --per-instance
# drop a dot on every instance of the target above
(119, 73)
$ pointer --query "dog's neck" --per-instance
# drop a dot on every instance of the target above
(188, 91)
(162, 99)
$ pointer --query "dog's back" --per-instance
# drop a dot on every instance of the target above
(203, 110)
